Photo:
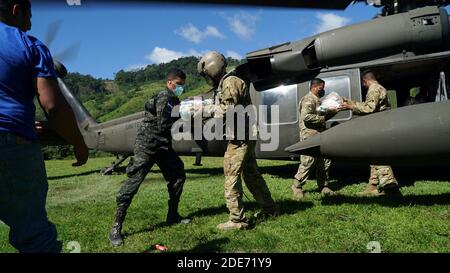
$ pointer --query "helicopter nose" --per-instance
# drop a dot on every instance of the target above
(310, 146)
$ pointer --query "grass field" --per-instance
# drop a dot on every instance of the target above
(81, 204)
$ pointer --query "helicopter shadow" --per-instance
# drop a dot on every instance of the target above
(408, 176)
(345, 175)
(282, 171)
(401, 201)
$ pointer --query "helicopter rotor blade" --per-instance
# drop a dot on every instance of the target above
(68, 54)
(52, 30)
(322, 4)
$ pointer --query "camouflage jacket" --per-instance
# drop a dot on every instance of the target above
(311, 122)
(376, 101)
(234, 91)
(157, 123)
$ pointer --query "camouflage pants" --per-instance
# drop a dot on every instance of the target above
(171, 166)
(304, 170)
(240, 159)
(381, 176)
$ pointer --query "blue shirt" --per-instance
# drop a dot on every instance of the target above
(23, 58)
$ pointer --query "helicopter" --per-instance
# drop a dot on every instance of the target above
(407, 44)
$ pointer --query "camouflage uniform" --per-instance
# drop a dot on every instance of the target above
(311, 123)
(376, 101)
(154, 145)
(240, 157)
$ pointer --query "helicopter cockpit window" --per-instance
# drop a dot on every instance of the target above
(340, 85)
(285, 97)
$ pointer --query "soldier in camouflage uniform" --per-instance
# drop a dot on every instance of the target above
(382, 180)
(239, 158)
(312, 123)
(154, 146)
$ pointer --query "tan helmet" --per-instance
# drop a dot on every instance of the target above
(212, 66)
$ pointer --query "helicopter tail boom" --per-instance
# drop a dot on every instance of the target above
(84, 119)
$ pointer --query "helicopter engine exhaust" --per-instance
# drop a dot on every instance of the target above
(420, 30)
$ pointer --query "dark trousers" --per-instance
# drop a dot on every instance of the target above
(23, 194)
(171, 166)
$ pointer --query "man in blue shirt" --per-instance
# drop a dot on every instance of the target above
(26, 71)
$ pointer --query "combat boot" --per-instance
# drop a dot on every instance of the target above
(230, 225)
(173, 217)
(327, 191)
(115, 235)
(265, 214)
(298, 192)
(392, 190)
(275, 212)
(370, 190)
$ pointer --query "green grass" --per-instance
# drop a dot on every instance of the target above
(81, 204)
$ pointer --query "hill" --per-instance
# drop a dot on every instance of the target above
(127, 93)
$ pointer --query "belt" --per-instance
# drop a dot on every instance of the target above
(15, 139)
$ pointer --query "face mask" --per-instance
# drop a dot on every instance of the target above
(178, 90)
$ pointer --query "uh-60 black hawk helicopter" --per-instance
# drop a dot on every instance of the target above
(407, 45)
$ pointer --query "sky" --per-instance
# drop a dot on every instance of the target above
(111, 37)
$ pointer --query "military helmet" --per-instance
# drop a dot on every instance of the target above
(212, 67)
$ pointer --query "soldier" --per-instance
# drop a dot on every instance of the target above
(239, 158)
(312, 123)
(26, 72)
(382, 180)
(154, 145)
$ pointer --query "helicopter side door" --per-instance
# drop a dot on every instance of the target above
(278, 109)
(277, 119)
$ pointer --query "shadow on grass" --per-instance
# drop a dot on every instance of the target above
(208, 171)
(284, 171)
(406, 176)
(407, 200)
(341, 175)
(147, 229)
(212, 246)
(286, 207)
(73, 175)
